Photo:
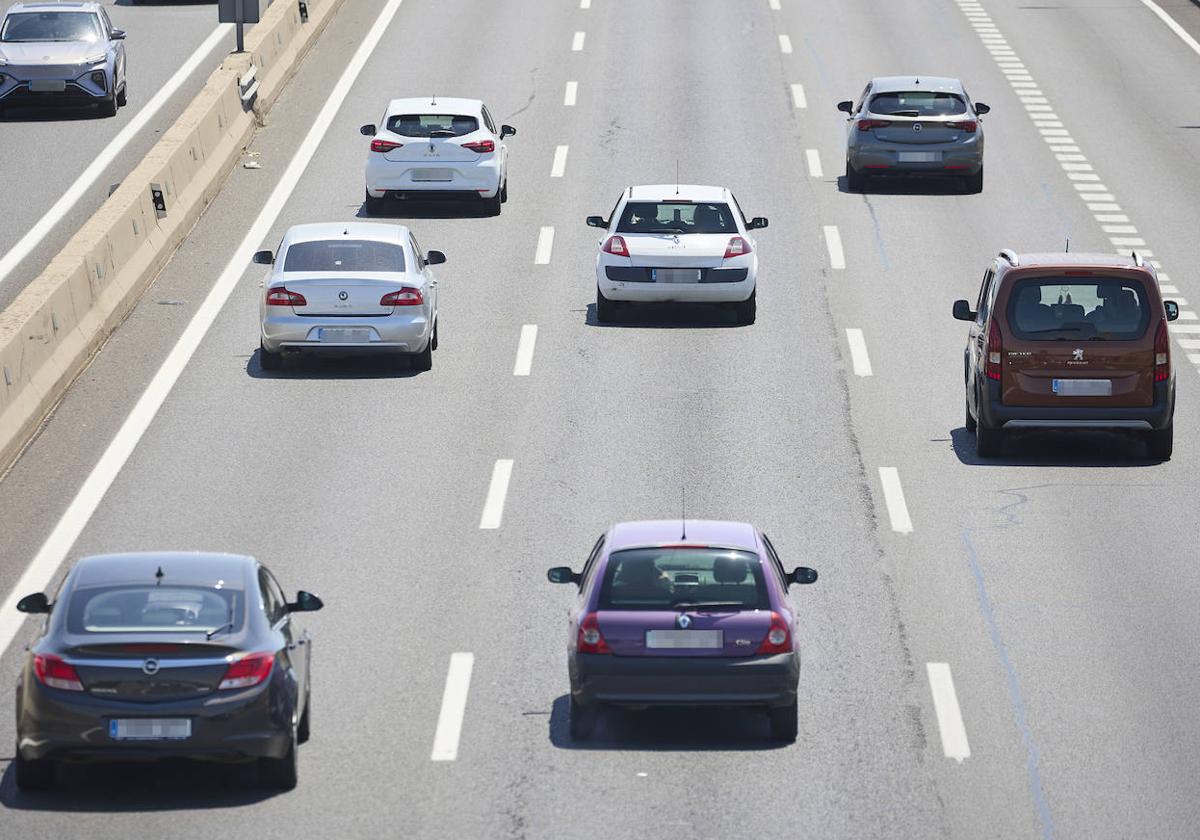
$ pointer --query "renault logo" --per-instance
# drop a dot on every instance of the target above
(916, 126)
(150, 667)
(343, 295)
(683, 621)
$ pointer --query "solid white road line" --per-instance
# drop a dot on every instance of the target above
(858, 352)
(785, 44)
(454, 707)
(493, 507)
(1175, 27)
(949, 718)
(893, 494)
(525, 346)
(577, 42)
(798, 98)
(833, 241)
(545, 246)
(40, 572)
(34, 236)
(569, 96)
(560, 162)
(814, 163)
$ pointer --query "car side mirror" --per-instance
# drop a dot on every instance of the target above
(597, 221)
(757, 223)
(962, 311)
(562, 574)
(507, 131)
(118, 35)
(802, 575)
(981, 109)
(305, 602)
(35, 603)
(434, 258)
(367, 130)
(1172, 309)
(264, 257)
(847, 106)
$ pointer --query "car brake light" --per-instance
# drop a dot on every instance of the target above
(51, 670)
(248, 671)
(384, 145)
(591, 640)
(868, 124)
(616, 246)
(1162, 354)
(778, 638)
(994, 349)
(737, 247)
(481, 147)
(407, 296)
(968, 126)
(279, 296)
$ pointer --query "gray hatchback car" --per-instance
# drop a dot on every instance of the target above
(914, 125)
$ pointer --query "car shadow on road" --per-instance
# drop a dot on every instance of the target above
(133, 787)
(667, 316)
(674, 729)
(1071, 448)
(300, 366)
(896, 185)
(394, 210)
(48, 114)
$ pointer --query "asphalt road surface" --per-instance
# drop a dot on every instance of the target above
(1047, 600)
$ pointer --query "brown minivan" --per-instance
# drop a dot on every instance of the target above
(1069, 341)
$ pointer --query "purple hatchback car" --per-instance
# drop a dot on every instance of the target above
(681, 614)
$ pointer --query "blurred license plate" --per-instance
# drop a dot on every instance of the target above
(48, 85)
(683, 639)
(1082, 387)
(340, 335)
(675, 275)
(920, 157)
(433, 175)
(150, 729)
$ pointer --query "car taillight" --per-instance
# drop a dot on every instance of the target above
(385, 145)
(481, 147)
(1162, 354)
(779, 637)
(737, 247)
(407, 296)
(279, 296)
(868, 124)
(615, 245)
(591, 640)
(968, 126)
(994, 350)
(51, 670)
(248, 671)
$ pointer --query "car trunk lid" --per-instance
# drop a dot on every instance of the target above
(920, 132)
(665, 250)
(356, 295)
(150, 672)
(667, 633)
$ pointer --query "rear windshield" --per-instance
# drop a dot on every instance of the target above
(155, 609)
(918, 103)
(344, 255)
(51, 26)
(1100, 308)
(668, 217)
(432, 125)
(674, 578)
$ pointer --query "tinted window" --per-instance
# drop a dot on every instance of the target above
(344, 255)
(1075, 308)
(671, 217)
(666, 578)
(917, 103)
(154, 609)
(432, 125)
(51, 26)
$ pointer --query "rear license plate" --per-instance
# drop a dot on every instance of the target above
(684, 639)
(433, 175)
(341, 335)
(47, 85)
(150, 729)
(1082, 387)
(920, 157)
(675, 275)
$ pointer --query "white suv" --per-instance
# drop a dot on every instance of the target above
(437, 148)
(669, 243)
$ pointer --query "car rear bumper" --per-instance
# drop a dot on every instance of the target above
(995, 414)
(685, 680)
(720, 285)
(393, 333)
(954, 159)
(395, 180)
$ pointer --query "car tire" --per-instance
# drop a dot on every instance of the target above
(423, 361)
(268, 360)
(747, 310)
(108, 107)
(372, 205)
(583, 719)
(969, 423)
(1160, 443)
(504, 192)
(606, 310)
(492, 206)
(34, 775)
(785, 722)
(855, 180)
(974, 183)
(433, 342)
(988, 442)
(281, 773)
(304, 727)
(123, 96)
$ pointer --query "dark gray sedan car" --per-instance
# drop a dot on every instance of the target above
(154, 655)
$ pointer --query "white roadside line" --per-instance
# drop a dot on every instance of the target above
(785, 44)
(34, 236)
(493, 506)
(577, 42)
(1183, 34)
(949, 718)
(833, 242)
(858, 352)
(41, 570)
(545, 246)
(454, 707)
(525, 344)
(570, 94)
(798, 97)
(893, 494)
(814, 163)
(560, 162)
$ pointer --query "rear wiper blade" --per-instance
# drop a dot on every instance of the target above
(216, 630)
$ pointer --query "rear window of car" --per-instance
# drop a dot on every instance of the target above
(50, 26)
(344, 255)
(917, 103)
(676, 217)
(671, 578)
(432, 125)
(1078, 309)
(155, 609)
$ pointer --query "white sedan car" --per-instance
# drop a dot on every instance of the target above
(349, 288)
(674, 243)
(437, 148)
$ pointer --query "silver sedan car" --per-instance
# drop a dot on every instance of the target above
(61, 53)
(914, 125)
(349, 288)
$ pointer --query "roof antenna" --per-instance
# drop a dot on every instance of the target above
(683, 512)
(677, 176)
(158, 576)
(1068, 244)
(433, 99)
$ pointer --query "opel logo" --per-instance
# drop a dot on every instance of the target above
(683, 621)
(342, 295)
(916, 126)
(150, 667)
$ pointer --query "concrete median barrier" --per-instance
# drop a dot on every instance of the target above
(50, 332)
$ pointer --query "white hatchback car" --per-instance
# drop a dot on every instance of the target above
(676, 243)
(349, 288)
(437, 148)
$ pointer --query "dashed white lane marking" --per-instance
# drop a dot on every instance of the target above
(858, 352)
(833, 242)
(1174, 26)
(454, 707)
(545, 246)
(798, 97)
(577, 42)
(774, 4)
(585, 4)
(570, 94)
(493, 506)
(893, 494)
(525, 344)
(785, 44)
(560, 162)
(814, 163)
(949, 717)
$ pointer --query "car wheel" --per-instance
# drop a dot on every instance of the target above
(492, 206)
(423, 361)
(747, 309)
(1161, 442)
(280, 773)
(785, 722)
(433, 342)
(970, 421)
(304, 728)
(583, 719)
(606, 310)
(122, 96)
(34, 775)
(371, 204)
(974, 183)
(855, 181)
(268, 360)
(988, 441)
(504, 192)
(108, 107)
